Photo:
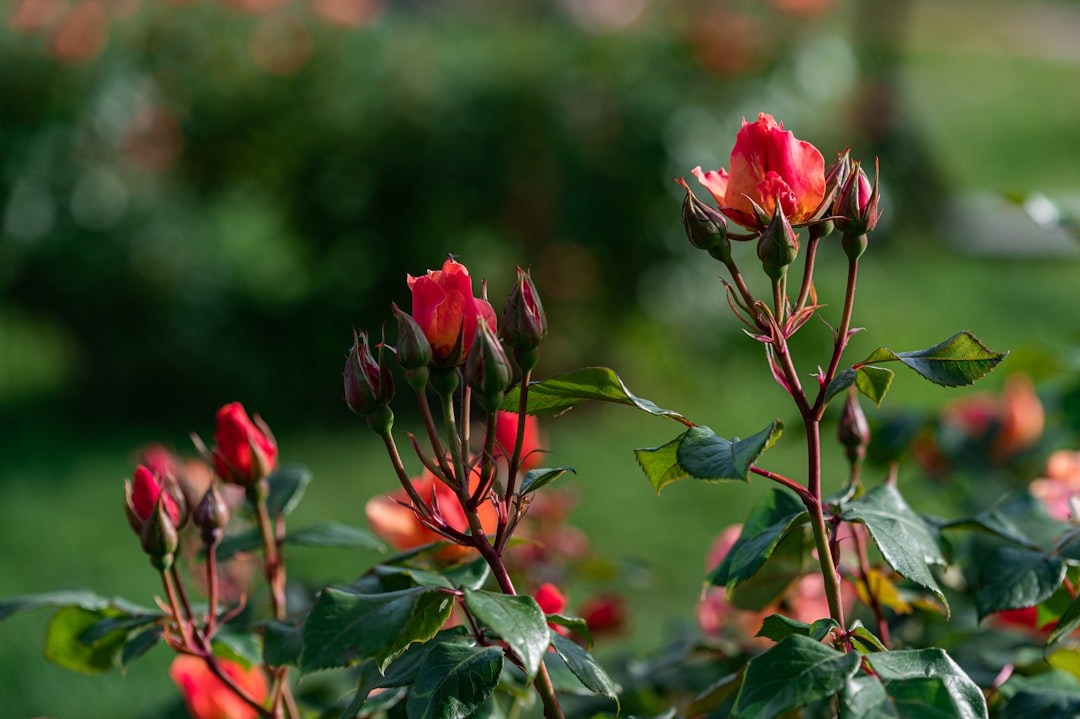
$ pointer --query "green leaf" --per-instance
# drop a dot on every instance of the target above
(996, 523)
(905, 540)
(335, 534)
(517, 620)
(575, 624)
(82, 598)
(344, 627)
(770, 518)
(960, 360)
(707, 456)
(778, 627)
(454, 681)
(64, 646)
(786, 563)
(864, 697)
(557, 394)
(282, 644)
(1050, 694)
(866, 640)
(287, 487)
(401, 672)
(927, 684)
(794, 673)
(237, 645)
(874, 382)
(1067, 624)
(713, 696)
(591, 675)
(702, 454)
(140, 644)
(472, 575)
(661, 464)
(537, 478)
(124, 622)
(1013, 577)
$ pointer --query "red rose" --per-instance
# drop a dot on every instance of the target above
(207, 697)
(145, 490)
(245, 452)
(767, 164)
(506, 427)
(446, 310)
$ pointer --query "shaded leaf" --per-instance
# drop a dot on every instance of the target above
(794, 673)
(585, 667)
(768, 521)
(1013, 577)
(960, 360)
(927, 684)
(779, 627)
(140, 644)
(64, 646)
(1067, 624)
(905, 540)
(82, 598)
(707, 456)
(287, 486)
(517, 620)
(335, 534)
(557, 394)
(864, 697)
(575, 624)
(537, 478)
(786, 563)
(344, 627)
(454, 681)
(282, 644)
(713, 696)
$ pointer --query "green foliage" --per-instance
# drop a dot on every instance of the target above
(454, 681)
(905, 540)
(72, 643)
(796, 672)
(772, 517)
(537, 478)
(702, 454)
(345, 627)
(517, 620)
(555, 395)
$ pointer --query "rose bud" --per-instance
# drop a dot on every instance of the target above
(368, 383)
(852, 430)
(705, 227)
(159, 536)
(413, 350)
(141, 496)
(211, 515)
(778, 246)
(524, 323)
(245, 451)
(487, 371)
(857, 209)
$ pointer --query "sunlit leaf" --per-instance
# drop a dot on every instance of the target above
(517, 620)
(454, 681)
(557, 394)
(960, 360)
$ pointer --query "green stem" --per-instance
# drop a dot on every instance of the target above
(813, 504)
(808, 272)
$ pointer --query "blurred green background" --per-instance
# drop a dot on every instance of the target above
(199, 200)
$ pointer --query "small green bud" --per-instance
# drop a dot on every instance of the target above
(705, 227)
(524, 323)
(368, 384)
(211, 515)
(487, 370)
(778, 245)
(853, 431)
(159, 537)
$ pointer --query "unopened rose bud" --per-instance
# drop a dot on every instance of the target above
(524, 323)
(368, 383)
(245, 451)
(705, 227)
(142, 494)
(853, 431)
(487, 370)
(413, 350)
(211, 515)
(857, 203)
(778, 245)
(159, 537)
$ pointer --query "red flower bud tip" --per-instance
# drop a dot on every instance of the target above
(445, 308)
(245, 451)
(368, 383)
(159, 536)
(769, 168)
(142, 498)
(207, 697)
(488, 371)
(550, 599)
(524, 323)
(857, 203)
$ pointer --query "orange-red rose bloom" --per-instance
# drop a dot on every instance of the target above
(445, 308)
(768, 164)
(506, 427)
(399, 526)
(207, 697)
(244, 453)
